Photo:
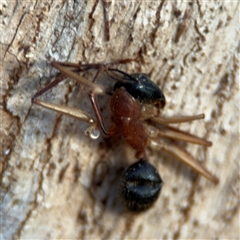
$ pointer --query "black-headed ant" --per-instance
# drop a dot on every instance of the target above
(135, 107)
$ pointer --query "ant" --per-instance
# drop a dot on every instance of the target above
(135, 106)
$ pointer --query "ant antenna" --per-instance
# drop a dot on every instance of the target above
(123, 73)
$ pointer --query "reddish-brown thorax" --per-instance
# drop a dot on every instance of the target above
(125, 112)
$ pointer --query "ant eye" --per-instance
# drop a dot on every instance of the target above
(140, 186)
(142, 89)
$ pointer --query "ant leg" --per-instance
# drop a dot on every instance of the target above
(85, 67)
(174, 133)
(70, 111)
(73, 112)
(176, 119)
(114, 130)
(91, 131)
(49, 86)
(64, 76)
(95, 105)
(78, 67)
(97, 111)
(80, 79)
(184, 157)
(95, 87)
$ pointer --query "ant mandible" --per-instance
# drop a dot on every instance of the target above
(135, 105)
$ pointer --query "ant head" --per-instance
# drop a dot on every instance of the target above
(142, 89)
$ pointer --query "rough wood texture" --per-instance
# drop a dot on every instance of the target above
(56, 182)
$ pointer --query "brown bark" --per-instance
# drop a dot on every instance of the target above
(56, 182)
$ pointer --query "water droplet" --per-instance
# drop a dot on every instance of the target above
(92, 132)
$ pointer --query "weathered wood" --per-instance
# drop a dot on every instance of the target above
(56, 182)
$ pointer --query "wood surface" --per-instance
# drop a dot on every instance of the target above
(56, 183)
